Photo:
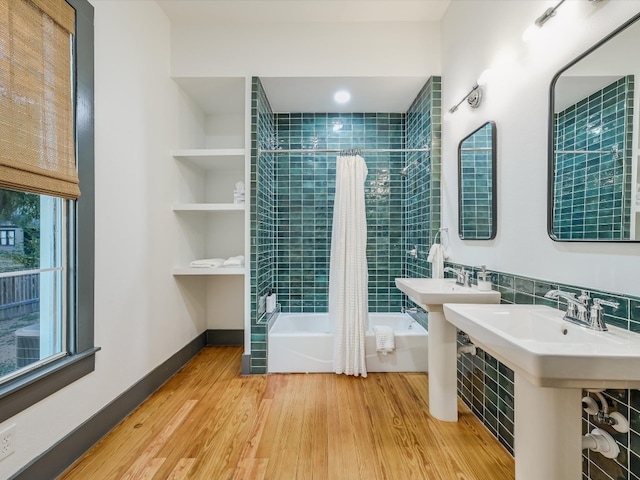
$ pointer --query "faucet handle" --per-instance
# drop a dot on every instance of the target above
(608, 303)
(596, 320)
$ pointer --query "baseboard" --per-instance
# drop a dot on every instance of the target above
(58, 458)
(219, 338)
(246, 364)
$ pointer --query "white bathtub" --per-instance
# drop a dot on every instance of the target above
(303, 343)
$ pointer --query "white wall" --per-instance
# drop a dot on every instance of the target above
(478, 35)
(141, 317)
(307, 49)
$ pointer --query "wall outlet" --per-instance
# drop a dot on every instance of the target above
(7, 441)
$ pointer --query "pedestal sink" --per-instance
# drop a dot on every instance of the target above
(552, 360)
(431, 294)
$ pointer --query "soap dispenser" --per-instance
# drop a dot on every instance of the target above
(484, 279)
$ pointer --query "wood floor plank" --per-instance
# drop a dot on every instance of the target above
(181, 469)
(210, 423)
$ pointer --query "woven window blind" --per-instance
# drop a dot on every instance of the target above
(37, 146)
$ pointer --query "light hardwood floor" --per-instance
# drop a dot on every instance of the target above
(208, 422)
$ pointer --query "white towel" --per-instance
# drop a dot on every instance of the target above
(436, 259)
(385, 341)
(207, 263)
(234, 261)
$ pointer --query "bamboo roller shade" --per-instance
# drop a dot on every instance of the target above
(37, 146)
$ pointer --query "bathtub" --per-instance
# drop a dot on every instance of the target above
(303, 343)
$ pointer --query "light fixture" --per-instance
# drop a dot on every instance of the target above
(342, 96)
(474, 97)
(533, 30)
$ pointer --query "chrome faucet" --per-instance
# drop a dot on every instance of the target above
(582, 310)
(462, 276)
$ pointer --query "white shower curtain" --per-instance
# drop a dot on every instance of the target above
(348, 275)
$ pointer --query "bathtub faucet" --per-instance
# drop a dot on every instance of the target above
(409, 310)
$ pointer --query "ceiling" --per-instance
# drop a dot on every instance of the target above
(305, 94)
(282, 11)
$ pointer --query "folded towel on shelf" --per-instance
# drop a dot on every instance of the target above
(237, 261)
(207, 263)
(436, 259)
(385, 340)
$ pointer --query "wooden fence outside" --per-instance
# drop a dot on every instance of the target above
(19, 295)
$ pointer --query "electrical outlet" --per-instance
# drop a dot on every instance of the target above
(7, 441)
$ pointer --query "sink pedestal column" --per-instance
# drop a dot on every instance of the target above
(442, 353)
(548, 432)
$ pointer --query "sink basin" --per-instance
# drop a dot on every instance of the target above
(432, 293)
(548, 351)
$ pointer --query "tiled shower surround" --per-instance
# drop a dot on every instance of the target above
(263, 215)
(593, 190)
(292, 195)
(305, 189)
(421, 187)
(486, 385)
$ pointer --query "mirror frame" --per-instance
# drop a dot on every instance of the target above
(494, 182)
(551, 140)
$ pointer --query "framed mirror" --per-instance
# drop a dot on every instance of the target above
(594, 192)
(477, 203)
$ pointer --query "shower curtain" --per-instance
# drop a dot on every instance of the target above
(348, 275)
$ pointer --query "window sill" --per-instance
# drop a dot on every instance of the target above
(29, 389)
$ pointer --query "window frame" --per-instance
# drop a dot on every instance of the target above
(28, 389)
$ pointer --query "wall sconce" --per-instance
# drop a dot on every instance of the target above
(474, 97)
(532, 30)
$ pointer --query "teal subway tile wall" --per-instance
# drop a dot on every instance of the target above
(486, 385)
(305, 189)
(263, 248)
(421, 187)
(593, 190)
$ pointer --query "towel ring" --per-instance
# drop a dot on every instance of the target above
(440, 230)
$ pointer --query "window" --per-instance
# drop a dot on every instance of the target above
(7, 238)
(33, 280)
(46, 278)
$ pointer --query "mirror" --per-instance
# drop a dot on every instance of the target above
(593, 144)
(477, 184)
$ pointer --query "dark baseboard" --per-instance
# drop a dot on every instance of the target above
(246, 364)
(227, 338)
(58, 458)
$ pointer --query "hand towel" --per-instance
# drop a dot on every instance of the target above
(385, 340)
(207, 263)
(436, 259)
(237, 261)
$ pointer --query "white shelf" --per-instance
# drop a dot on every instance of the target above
(209, 271)
(208, 207)
(221, 159)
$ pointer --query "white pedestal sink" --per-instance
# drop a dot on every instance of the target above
(553, 360)
(431, 294)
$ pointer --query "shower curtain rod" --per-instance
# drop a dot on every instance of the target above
(340, 150)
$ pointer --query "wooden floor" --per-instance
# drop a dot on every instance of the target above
(208, 422)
